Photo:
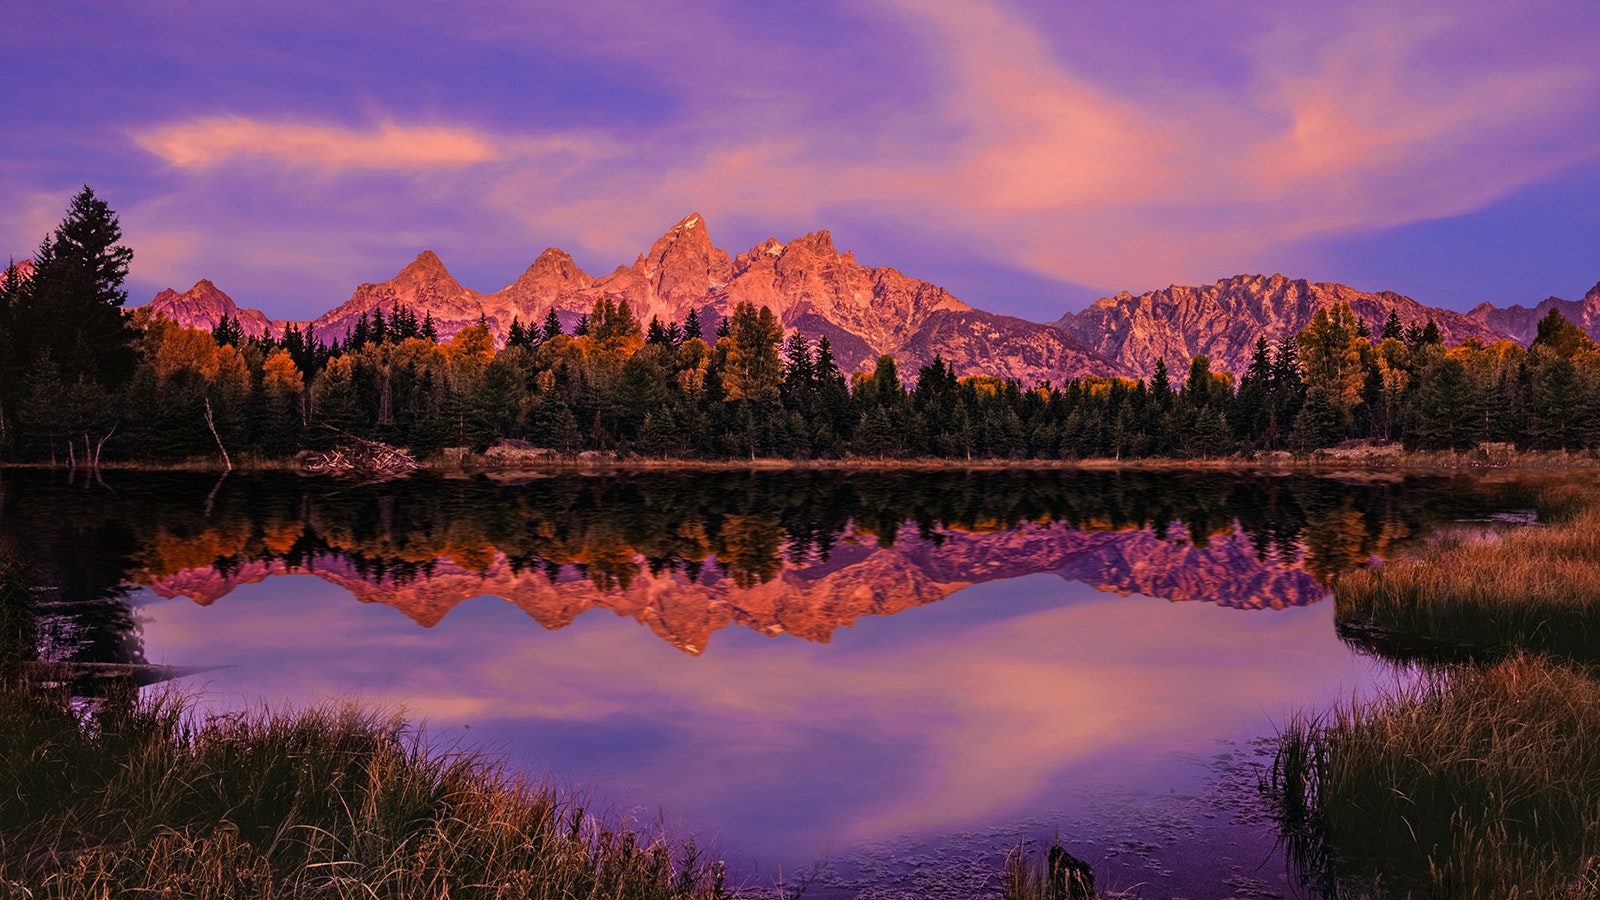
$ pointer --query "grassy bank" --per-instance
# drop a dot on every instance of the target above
(330, 802)
(1477, 782)
(1535, 589)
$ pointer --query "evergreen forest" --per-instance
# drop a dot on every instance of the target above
(84, 380)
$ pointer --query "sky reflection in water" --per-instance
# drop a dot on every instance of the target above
(939, 718)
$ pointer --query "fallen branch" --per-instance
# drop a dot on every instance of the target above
(363, 459)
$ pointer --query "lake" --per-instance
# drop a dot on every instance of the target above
(867, 684)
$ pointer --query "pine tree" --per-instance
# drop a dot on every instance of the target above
(691, 326)
(516, 336)
(429, 331)
(799, 375)
(656, 334)
(1442, 397)
(360, 335)
(753, 369)
(380, 326)
(1392, 327)
(1561, 335)
(1317, 424)
(227, 332)
(74, 309)
(403, 324)
(1161, 385)
(552, 324)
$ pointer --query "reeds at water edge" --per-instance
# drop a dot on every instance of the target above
(1475, 781)
(1533, 589)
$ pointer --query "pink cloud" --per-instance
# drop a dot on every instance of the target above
(208, 142)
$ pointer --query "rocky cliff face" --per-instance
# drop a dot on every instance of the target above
(1223, 320)
(813, 600)
(807, 283)
(204, 305)
(424, 286)
(1522, 323)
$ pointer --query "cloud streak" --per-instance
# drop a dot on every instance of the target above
(212, 141)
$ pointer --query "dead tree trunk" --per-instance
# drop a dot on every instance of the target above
(100, 445)
(212, 424)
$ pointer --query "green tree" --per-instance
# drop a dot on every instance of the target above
(1440, 417)
(752, 368)
(1561, 335)
(1335, 358)
(1317, 424)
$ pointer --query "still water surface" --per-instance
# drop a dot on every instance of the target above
(879, 682)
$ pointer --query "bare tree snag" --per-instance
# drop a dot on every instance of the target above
(211, 424)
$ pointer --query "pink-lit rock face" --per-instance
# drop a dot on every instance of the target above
(204, 305)
(1222, 321)
(813, 600)
(810, 286)
(867, 311)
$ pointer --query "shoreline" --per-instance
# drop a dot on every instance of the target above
(1318, 462)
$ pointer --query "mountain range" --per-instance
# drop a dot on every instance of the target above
(866, 311)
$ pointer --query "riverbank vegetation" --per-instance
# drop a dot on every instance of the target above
(82, 382)
(328, 802)
(1476, 781)
(1533, 589)
(1479, 776)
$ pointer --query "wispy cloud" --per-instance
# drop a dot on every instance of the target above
(208, 142)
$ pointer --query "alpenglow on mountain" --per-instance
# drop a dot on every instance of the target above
(867, 311)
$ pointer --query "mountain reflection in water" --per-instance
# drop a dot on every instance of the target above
(799, 553)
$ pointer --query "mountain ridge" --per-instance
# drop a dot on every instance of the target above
(867, 311)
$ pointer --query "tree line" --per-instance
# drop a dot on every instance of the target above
(82, 379)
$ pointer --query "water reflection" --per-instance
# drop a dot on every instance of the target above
(801, 553)
(1013, 683)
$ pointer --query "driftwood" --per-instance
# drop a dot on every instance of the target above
(362, 459)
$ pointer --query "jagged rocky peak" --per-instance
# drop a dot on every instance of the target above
(817, 244)
(682, 267)
(552, 272)
(556, 263)
(204, 305)
(205, 297)
(427, 266)
(1223, 320)
(763, 253)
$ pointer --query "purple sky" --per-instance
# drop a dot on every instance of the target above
(1028, 157)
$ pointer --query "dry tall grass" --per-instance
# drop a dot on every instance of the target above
(1535, 589)
(326, 803)
(1477, 782)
